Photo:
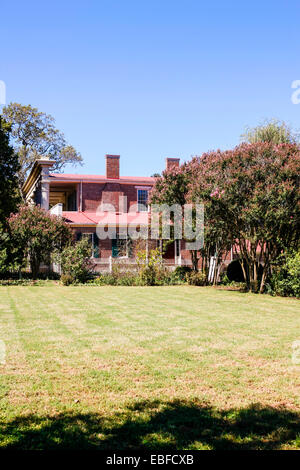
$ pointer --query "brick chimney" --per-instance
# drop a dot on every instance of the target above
(112, 166)
(172, 163)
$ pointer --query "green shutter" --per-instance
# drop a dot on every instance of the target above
(96, 246)
(114, 248)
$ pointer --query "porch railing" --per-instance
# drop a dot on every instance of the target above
(130, 264)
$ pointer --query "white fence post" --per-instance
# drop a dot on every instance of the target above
(212, 267)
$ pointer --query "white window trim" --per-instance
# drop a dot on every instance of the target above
(127, 249)
(177, 259)
(142, 188)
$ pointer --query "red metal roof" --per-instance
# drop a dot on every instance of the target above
(104, 218)
(74, 177)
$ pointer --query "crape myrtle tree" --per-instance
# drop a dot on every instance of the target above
(217, 238)
(173, 187)
(254, 189)
(35, 136)
(36, 234)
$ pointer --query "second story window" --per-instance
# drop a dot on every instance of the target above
(142, 199)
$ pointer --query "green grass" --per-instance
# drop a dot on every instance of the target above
(148, 368)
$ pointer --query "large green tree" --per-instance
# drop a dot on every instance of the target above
(9, 195)
(9, 167)
(35, 136)
(173, 187)
(272, 131)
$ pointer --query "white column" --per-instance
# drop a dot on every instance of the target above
(45, 185)
(45, 195)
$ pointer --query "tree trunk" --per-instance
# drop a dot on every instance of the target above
(254, 281)
(267, 256)
(262, 283)
(264, 276)
(34, 266)
(194, 260)
(245, 272)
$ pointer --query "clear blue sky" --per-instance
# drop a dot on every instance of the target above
(151, 79)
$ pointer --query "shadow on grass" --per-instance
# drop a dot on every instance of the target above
(156, 425)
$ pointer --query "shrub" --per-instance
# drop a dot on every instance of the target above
(172, 279)
(104, 280)
(156, 275)
(3, 259)
(67, 279)
(162, 278)
(196, 278)
(147, 275)
(26, 282)
(150, 267)
(128, 280)
(116, 278)
(285, 280)
(27, 276)
(75, 261)
(122, 275)
(224, 279)
(181, 271)
(151, 272)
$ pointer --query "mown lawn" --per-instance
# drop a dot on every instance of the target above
(149, 368)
